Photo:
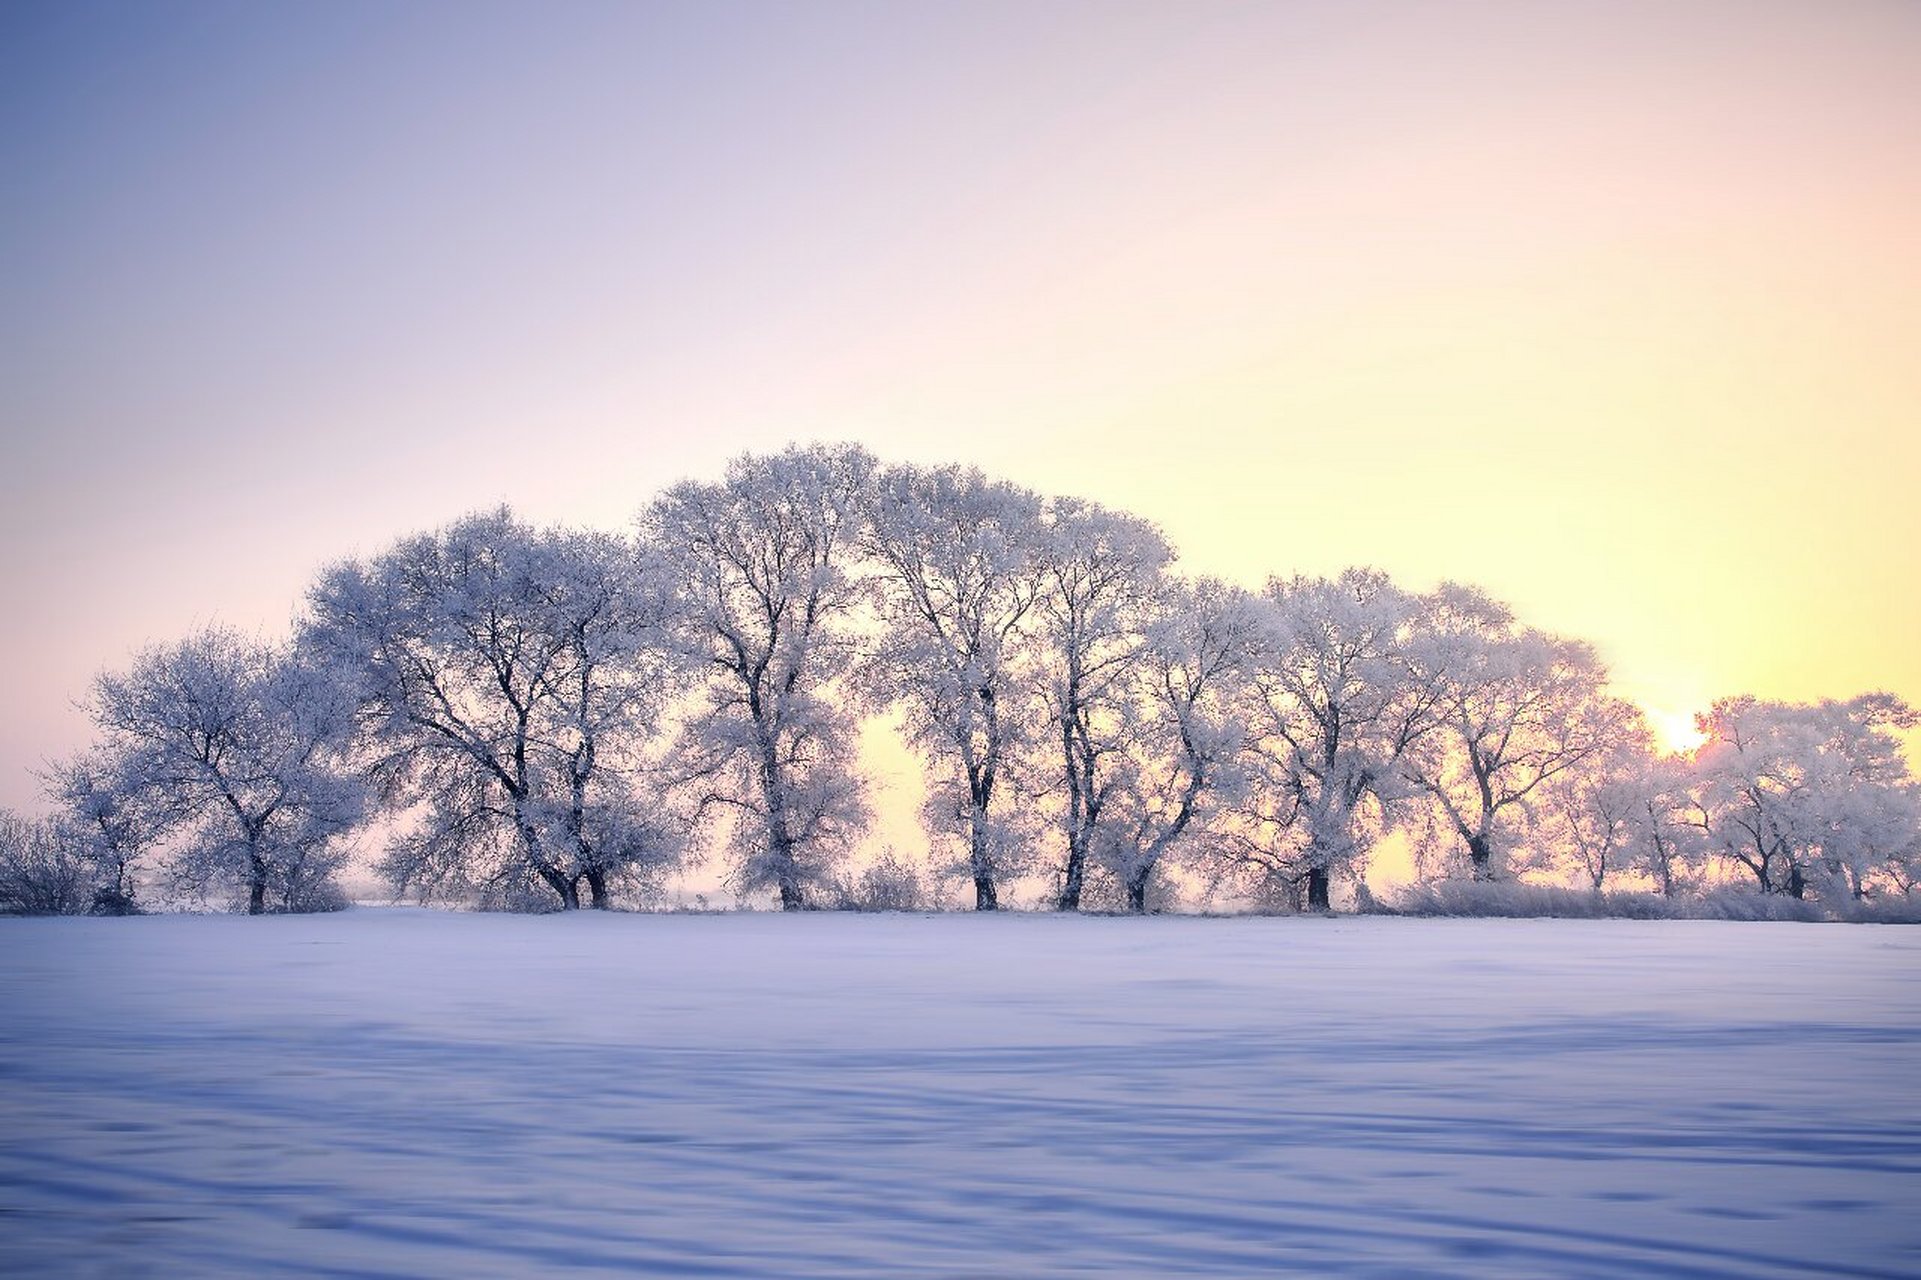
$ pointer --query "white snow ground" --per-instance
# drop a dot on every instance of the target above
(411, 1093)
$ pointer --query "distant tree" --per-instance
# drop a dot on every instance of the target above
(1337, 708)
(1807, 794)
(1101, 572)
(1516, 708)
(762, 566)
(507, 682)
(229, 749)
(959, 573)
(1184, 738)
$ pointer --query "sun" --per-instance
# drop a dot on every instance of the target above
(1675, 732)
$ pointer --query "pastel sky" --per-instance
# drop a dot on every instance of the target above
(1612, 308)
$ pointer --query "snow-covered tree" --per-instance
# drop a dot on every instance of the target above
(763, 569)
(1183, 737)
(1101, 571)
(1516, 708)
(1807, 794)
(116, 825)
(508, 682)
(1337, 707)
(1606, 817)
(959, 572)
(1665, 841)
(229, 748)
(1871, 802)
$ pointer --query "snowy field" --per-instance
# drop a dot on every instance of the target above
(409, 1093)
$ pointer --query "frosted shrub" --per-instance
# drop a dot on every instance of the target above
(41, 874)
(1748, 904)
(1513, 899)
(1894, 909)
(891, 884)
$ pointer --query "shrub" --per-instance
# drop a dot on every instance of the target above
(890, 884)
(109, 901)
(1891, 909)
(1514, 899)
(43, 872)
(1747, 904)
(1478, 898)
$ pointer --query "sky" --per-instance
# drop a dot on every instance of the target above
(1613, 309)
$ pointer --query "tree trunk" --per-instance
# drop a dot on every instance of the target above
(1070, 899)
(780, 840)
(1317, 889)
(566, 890)
(597, 887)
(986, 898)
(1797, 883)
(1137, 893)
(1480, 853)
(256, 885)
(787, 875)
(563, 887)
(980, 786)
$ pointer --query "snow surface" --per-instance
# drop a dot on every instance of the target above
(405, 1093)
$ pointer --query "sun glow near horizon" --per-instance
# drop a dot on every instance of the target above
(1675, 732)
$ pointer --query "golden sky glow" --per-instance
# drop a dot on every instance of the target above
(1614, 309)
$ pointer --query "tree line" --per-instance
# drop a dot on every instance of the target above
(558, 718)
